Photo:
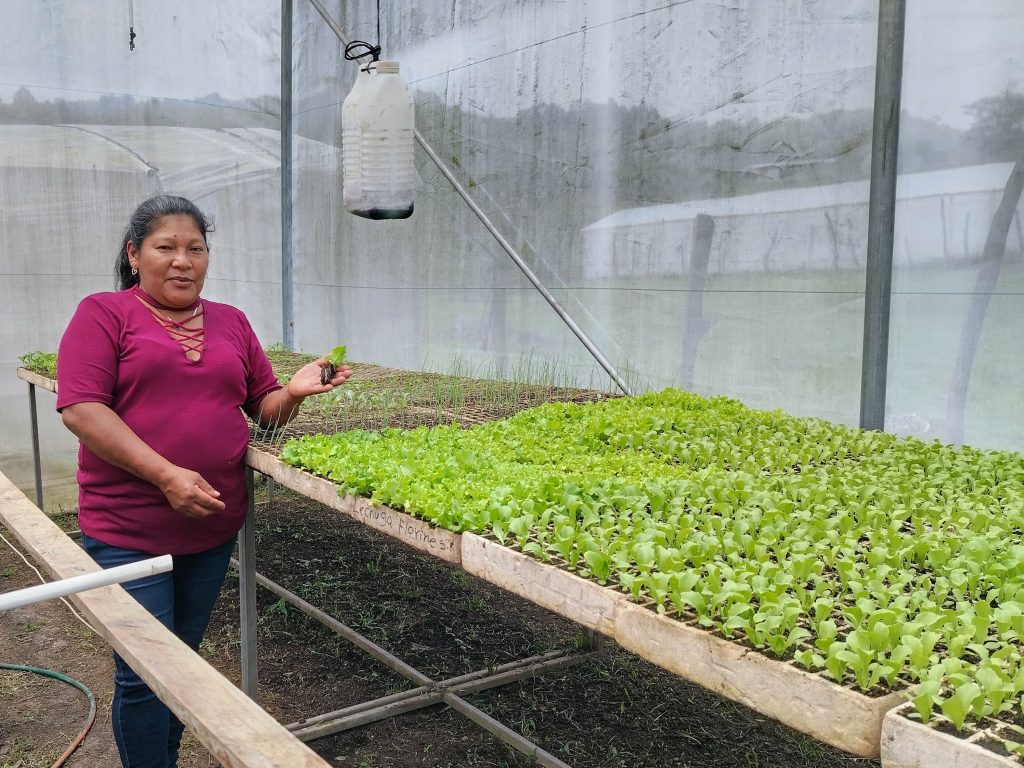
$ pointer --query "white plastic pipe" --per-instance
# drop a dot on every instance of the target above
(116, 575)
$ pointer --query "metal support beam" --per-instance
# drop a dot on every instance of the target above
(247, 593)
(505, 244)
(36, 464)
(347, 718)
(428, 693)
(882, 211)
(503, 732)
(453, 682)
(287, 187)
(364, 644)
(377, 711)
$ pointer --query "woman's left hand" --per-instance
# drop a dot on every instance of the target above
(306, 380)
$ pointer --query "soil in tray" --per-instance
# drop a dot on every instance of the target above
(609, 711)
(996, 745)
(994, 740)
(990, 729)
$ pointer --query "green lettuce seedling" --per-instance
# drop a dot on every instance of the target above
(334, 360)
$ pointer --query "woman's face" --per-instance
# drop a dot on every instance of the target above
(172, 261)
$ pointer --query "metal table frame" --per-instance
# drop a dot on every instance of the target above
(427, 692)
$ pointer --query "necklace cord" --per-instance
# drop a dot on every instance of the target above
(191, 340)
(145, 297)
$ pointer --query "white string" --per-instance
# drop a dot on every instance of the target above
(77, 615)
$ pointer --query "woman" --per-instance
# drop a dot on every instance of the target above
(153, 379)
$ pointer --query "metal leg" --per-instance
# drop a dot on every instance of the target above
(425, 695)
(515, 740)
(37, 464)
(428, 692)
(247, 594)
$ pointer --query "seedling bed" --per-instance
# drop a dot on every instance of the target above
(832, 713)
(693, 503)
(418, 534)
(37, 379)
(811, 704)
(614, 711)
(377, 397)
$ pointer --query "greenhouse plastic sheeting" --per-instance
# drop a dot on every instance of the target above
(90, 128)
(609, 142)
(687, 179)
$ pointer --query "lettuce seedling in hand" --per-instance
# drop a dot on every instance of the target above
(335, 359)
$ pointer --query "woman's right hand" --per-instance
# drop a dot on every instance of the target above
(112, 440)
(190, 494)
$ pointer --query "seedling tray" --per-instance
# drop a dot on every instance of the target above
(908, 743)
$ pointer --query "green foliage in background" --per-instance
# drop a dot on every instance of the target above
(43, 363)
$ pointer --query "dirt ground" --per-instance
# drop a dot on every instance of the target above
(612, 710)
(39, 716)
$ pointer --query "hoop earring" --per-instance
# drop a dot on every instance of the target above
(135, 271)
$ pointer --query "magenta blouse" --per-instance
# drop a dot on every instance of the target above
(190, 412)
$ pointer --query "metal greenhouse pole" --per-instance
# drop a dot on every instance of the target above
(287, 288)
(506, 246)
(882, 211)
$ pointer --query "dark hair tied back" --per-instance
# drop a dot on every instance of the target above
(142, 223)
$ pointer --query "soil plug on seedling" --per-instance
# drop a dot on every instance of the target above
(329, 371)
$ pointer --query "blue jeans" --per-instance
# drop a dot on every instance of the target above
(146, 732)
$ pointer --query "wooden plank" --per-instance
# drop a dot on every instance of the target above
(807, 702)
(418, 534)
(910, 744)
(40, 381)
(235, 730)
(578, 599)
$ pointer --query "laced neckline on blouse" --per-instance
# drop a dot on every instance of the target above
(192, 340)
